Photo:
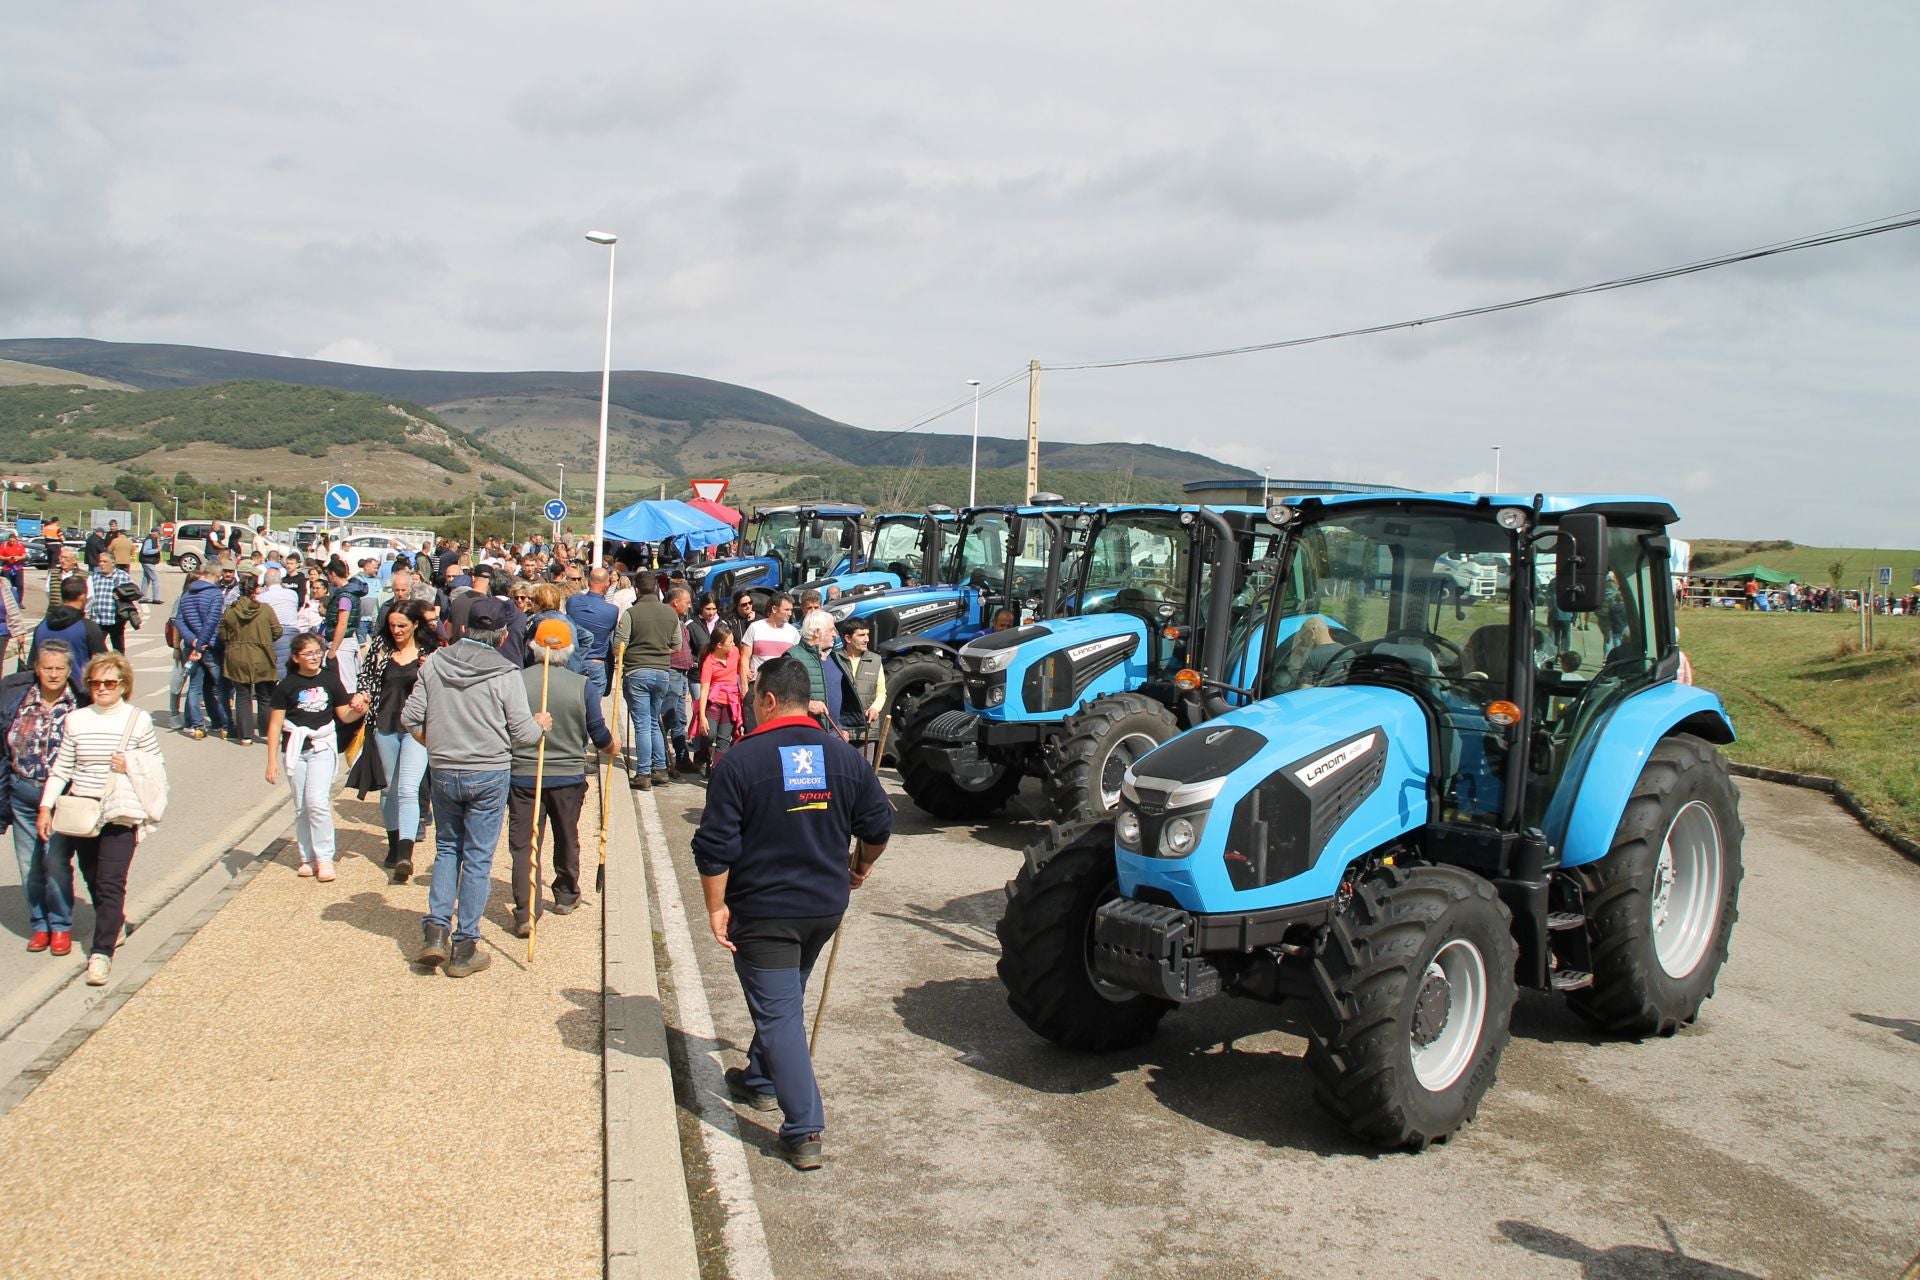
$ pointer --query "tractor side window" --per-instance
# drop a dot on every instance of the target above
(1135, 565)
(982, 551)
(897, 543)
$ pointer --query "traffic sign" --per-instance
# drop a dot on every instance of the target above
(555, 510)
(1886, 575)
(709, 490)
(342, 501)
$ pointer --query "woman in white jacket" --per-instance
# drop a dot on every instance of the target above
(108, 752)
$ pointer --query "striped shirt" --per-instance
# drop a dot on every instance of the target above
(87, 746)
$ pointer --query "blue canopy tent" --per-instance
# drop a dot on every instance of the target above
(666, 519)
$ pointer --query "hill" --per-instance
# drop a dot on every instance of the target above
(665, 427)
(1809, 564)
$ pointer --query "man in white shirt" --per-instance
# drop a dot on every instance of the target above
(767, 638)
(275, 595)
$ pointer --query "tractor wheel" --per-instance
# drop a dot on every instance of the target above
(1046, 941)
(942, 794)
(909, 676)
(1083, 767)
(1661, 904)
(1415, 991)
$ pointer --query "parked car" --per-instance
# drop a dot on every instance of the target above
(37, 553)
(188, 547)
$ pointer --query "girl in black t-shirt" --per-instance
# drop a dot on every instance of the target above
(301, 732)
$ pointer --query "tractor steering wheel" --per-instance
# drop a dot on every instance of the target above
(1429, 638)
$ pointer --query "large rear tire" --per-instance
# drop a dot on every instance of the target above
(1661, 904)
(1046, 945)
(936, 792)
(1082, 768)
(1415, 994)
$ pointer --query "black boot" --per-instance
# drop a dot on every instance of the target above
(467, 958)
(403, 866)
(433, 952)
(393, 849)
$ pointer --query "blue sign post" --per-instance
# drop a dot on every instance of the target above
(342, 501)
(555, 510)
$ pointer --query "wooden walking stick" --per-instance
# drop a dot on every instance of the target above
(833, 955)
(539, 811)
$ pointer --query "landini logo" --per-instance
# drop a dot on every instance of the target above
(1315, 772)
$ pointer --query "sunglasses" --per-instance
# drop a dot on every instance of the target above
(103, 684)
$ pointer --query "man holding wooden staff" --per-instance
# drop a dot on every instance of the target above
(772, 854)
(555, 787)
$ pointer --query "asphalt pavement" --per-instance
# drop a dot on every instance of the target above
(1779, 1136)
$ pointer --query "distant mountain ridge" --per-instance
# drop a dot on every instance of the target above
(670, 418)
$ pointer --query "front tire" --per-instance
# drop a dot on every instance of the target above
(909, 676)
(1415, 994)
(1046, 945)
(1083, 768)
(1661, 904)
(936, 792)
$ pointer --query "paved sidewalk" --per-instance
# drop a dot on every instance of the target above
(289, 1096)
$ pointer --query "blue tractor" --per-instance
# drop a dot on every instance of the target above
(902, 547)
(788, 545)
(1432, 802)
(1156, 598)
(998, 560)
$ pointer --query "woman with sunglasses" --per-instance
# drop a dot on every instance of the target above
(99, 742)
(301, 732)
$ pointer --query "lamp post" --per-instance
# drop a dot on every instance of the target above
(1496, 468)
(608, 239)
(973, 469)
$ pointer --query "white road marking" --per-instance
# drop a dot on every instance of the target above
(748, 1257)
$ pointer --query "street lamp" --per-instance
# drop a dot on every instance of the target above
(608, 239)
(973, 470)
(1496, 468)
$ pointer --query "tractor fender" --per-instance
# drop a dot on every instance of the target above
(1598, 780)
(1314, 779)
(1067, 662)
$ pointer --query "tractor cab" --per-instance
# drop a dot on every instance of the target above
(784, 546)
(900, 549)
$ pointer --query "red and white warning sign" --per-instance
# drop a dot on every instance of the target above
(709, 490)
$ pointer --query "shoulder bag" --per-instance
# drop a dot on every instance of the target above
(81, 817)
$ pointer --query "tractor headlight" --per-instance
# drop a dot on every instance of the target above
(996, 695)
(993, 660)
(1126, 830)
(1178, 837)
(840, 612)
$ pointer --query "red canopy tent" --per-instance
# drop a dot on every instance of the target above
(718, 511)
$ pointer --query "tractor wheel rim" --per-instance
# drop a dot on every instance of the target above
(1685, 902)
(1453, 989)
(1120, 758)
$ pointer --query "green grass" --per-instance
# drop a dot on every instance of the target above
(1809, 564)
(1804, 698)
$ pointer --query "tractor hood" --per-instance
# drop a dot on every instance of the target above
(737, 575)
(1037, 672)
(1275, 799)
(907, 613)
(849, 583)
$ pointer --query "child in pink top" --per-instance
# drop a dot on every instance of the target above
(722, 675)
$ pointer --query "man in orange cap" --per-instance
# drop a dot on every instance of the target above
(561, 785)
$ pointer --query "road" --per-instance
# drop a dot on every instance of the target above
(1780, 1136)
(218, 791)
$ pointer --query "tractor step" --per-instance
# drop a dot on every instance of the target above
(1571, 979)
(1560, 921)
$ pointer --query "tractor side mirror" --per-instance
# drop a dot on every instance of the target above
(1580, 559)
(817, 530)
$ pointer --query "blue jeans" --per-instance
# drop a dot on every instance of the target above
(282, 654)
(469, 807)
(406, 796)
(311, 779)
(778, 1060)
(650, 697)
(47, 908)
(202, 681)
(150, 582)
(596, 674)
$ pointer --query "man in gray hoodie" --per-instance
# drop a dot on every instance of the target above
(469, 707)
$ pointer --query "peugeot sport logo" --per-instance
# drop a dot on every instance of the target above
(1078, 652)
(1315, 772)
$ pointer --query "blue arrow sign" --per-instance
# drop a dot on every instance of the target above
(342, 501)
(555, 510)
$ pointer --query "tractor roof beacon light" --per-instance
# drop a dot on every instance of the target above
(1512, 519)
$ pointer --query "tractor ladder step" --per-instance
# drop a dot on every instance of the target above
(1571, 979)
(1560, 921)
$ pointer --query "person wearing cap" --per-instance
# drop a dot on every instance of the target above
(578, 727)
(469, 708)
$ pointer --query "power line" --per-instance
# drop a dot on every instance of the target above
(1858, 231)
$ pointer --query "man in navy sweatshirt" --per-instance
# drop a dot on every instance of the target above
(773, 860)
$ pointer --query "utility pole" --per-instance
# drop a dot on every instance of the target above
(513, 534)
(1033, 428)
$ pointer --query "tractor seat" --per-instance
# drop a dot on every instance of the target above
(1138, 603)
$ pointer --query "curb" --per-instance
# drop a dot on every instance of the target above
(1845, 798)
(649, 1222)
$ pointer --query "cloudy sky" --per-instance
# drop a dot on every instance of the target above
(860, 206)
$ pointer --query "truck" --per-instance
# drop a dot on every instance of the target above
(1416, 812)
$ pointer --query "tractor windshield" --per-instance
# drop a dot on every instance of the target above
(897, 547)
(775, 533)
(808, 548)
(1003, 553)
(1136, 563)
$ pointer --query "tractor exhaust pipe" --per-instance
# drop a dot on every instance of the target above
(1226, 558)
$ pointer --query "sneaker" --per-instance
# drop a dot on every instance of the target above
(325, 874)
(40, 940)
(62, 942)
(468, 958)
(99, 965)
(306, 871)
(804, 1152)
(737, 1087)
(196, 734)
(433, 950)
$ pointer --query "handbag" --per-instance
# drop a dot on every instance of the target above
(369, 772)
(82, 817)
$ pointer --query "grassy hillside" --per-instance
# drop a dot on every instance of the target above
(14, 373)
(1804, 698)
(1809, 564)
